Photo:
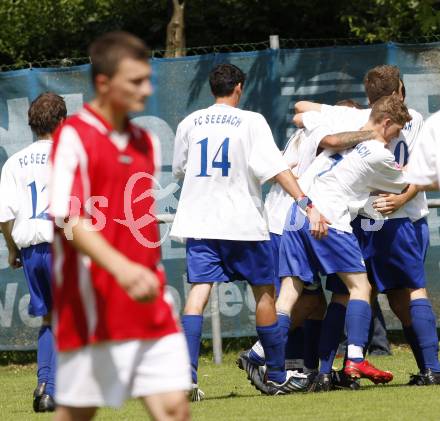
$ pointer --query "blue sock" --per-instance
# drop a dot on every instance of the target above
(425, 330)
(295, 344)
(312, 333)
(46, 359)
(370, 335)
(412, 342)
(357, 322)
(272, 342)
(284, 325)
(192, 326)
(331, 333)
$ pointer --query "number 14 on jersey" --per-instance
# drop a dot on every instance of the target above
(222, 163)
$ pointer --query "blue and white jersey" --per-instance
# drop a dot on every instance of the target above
(24, 194)
(300, 151)
(424, 163)
(224, 154)
(366, 168)
(349, 119)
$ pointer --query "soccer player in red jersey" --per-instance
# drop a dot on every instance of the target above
(116, 333)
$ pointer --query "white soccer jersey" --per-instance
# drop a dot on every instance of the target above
(349, 119)
(366, 168)
(24, 194)
(300, 151)
(424, 162)
(225, 154)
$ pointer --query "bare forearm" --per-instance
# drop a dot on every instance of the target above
(289, 184)
(410, 192)
(94, 245)
(345, 140)
(304, 106)
(6, 228)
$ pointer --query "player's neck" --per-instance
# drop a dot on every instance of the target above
(114, 117)
(232, 100)
(377, 131)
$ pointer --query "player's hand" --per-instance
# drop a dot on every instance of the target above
(139, 282)
(14, 259)
(387, 204)
(318, 223)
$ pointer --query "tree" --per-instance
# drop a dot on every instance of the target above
(388, 20)
(175, 43)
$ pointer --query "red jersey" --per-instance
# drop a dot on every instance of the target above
(108, 177)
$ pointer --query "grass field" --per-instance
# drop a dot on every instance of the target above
(230, 397)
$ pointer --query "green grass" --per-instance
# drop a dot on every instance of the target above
(230, 397)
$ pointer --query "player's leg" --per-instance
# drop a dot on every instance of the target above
(172, 406)
(312, 329)
(204, 266)
(357, 322)
(271, 337)
(399, 301)
(425, 330)
(331, 333)
(68, 413)
(192, 322)
(36, 265)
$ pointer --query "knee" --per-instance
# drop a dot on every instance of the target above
(178, 409)
(197, 299)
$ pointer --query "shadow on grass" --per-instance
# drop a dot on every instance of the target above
(17, 357)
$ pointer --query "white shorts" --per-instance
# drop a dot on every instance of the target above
(107, 374)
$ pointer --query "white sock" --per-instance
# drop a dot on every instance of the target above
(258, 349)
(354, 351)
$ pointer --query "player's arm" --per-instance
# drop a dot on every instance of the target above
(13, 251)
(180, 154)
(138, 281)
(298, 120)
(318, 223)
(345, 140)
(388, 203)
(430, 187)
(304, 106)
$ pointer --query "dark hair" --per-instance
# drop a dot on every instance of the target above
(46, 112)
(381, 81)
(224, 78)
(107, 51)
(349, 103)
(390, 107)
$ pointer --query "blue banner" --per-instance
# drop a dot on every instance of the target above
(276, 79)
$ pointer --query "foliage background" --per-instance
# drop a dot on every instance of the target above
(33, 30)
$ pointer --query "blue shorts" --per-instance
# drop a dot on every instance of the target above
(422, 234)
(37, 263)
(210, 260)
(364, 236)
(275, 240)
(303, 256)
(397, 261)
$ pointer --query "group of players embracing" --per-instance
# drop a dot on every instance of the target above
(341, 214)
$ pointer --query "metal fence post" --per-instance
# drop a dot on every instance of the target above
(274, 42)
(216, 325)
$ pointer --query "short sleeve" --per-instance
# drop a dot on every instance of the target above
(422, 168)
(8, 194)
(412, 130)
(180, 154)
(265, 158)
(387, 175)
(69, 181)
